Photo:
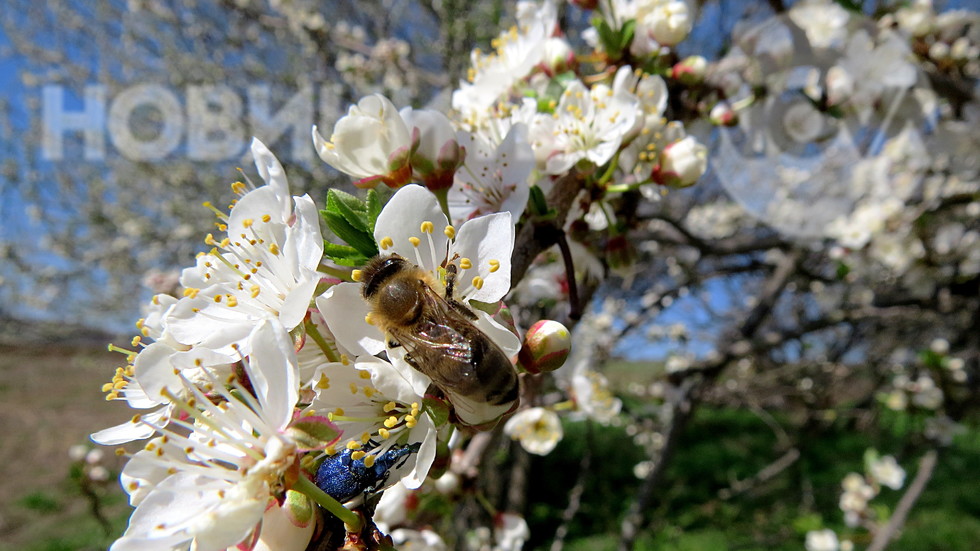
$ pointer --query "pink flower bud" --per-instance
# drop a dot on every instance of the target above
(546, 347)
(690, 70)
(722, 114)
(681, 163)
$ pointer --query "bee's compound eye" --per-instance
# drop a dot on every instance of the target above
(400, 301)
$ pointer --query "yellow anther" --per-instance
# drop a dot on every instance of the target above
(369, 460)
(232, 301)
(339, 412)
(384, 433)
(386, 243)
(389, 407)
(368, 319)
(465, 263)
(353, 388)
(224, 242)
(191, 292)
(353, 445)
(391, 422)
(494, 266)
(414, 241)
(238, 187)
(356, 275)
(255, 291)
(364, 374)
(247, 223)
(344, 360)
(365, 438)
(410, 421)
(108, 386)
(330, 450)
(273, 248)
(450, 232)
(427, 227)
(478, 282)
(209, 240)
(266, 218)
(357, 455)
(369, 391)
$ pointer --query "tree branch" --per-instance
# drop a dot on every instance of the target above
(926, 467)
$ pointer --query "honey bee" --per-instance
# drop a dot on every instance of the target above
(437, 333)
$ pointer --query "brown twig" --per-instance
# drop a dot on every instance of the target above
(927, 466)
(575, 495)
(766, 474)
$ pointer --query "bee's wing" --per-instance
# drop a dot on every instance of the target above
(440, 345)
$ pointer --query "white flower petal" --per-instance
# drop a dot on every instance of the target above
(499, 334)
(274, 176)
(402, 219)
(274, 372)
(344, 310)
(129, 431)
(484, 240)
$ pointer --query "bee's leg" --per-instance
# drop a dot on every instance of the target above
(451, 273)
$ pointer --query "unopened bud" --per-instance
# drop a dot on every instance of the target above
(298, 508)
(682, 163)
(546, 347)
(620, 253)
(448, 483)
(93, 457)
(690, 70)
(722, 114)
(98, 473)
(558, 56)
(77, 452)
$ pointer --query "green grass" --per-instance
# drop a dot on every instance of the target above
(724, 445)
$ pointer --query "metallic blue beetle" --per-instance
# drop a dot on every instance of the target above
(343, 478)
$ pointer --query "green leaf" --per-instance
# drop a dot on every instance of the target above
(344, 255)
(437, 409)
(626, 34)
(351, 208)
(373, 204)
(352, 220)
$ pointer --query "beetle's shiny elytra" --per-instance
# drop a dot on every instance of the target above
(343, 478)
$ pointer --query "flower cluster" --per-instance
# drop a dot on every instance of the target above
(294, 372)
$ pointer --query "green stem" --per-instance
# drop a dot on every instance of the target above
(350, 518)
(486, 504)
(610, 170)
(342, 275)
(312, 331)
(443, 197)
